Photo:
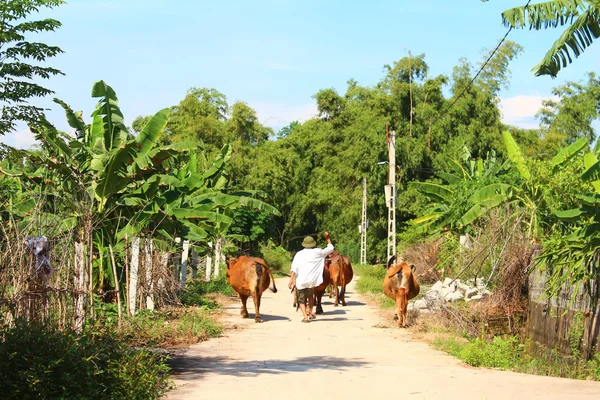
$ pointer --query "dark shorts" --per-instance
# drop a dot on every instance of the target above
(303, 294)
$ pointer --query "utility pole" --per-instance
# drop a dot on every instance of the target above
(363, 226)
(391, 194)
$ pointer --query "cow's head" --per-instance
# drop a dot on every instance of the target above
(231, 262)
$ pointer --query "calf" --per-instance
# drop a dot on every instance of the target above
(400, 284)
(249, 276)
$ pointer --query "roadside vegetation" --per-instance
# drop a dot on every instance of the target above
(113, 238)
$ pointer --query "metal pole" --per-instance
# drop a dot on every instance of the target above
(363, 226)
(392, 204)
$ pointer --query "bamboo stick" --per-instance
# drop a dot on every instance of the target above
(114, 269)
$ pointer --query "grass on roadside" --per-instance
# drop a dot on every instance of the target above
(170, 328)
(371, 279)
(509, 353)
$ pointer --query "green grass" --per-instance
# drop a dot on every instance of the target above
(371, 279)
(509, 353)
(195, 292)
(167, 329)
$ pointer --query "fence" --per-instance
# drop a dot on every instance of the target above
(574, 315)
(59, 291)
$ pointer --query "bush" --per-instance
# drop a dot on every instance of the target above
(195, 292)
(170, 328)
(276, 257)
(38, 361)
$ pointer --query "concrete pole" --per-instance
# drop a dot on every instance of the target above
(363, 226)
(392, 198)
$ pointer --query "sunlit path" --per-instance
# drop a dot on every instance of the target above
(342, 355)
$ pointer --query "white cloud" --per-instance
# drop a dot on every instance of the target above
(21, 140)
(277, 115)
(520, 110)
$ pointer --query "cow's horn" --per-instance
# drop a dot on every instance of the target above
(391, 260)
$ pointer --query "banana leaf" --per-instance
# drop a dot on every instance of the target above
(515, 155)
(567, 153)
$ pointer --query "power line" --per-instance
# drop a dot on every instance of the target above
(477, 74)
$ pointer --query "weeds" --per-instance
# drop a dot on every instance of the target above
(276, 257)
(195, 292)
(371, 279)
(40, 361)
(509, 353)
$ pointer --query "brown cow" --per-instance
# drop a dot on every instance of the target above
(249, 276)
(400, 284)
(319, 290)
(340, 271)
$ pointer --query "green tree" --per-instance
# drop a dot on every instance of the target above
(201, 115)
(17, 58)
(582, 18)
(572, 115)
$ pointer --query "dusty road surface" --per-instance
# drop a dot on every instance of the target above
(344, 355)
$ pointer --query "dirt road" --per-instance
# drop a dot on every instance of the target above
(342, 355)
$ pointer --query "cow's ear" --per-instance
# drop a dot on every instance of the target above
(413, 268)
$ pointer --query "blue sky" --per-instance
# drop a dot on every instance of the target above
(275, 55)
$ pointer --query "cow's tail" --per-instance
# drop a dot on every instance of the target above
(270, 274)
(391, 261)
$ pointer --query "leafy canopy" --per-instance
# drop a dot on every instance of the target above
(20, 60)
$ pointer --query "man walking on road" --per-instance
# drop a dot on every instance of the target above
(307, 273)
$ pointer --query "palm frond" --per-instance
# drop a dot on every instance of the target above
(575, 39)
(545, 15)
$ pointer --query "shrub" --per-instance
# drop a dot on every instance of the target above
(195, 292)
(276, 257)
(170, 328)
(39, 361)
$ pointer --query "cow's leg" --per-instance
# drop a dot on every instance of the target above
(318, 298)
(336, 294)
(401, 306)
(256, 298)
(343, 295)
(244, 309)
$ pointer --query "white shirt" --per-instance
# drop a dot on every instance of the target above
(308, 265)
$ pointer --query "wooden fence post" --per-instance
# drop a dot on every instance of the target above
(194, 264)
(80, 287)
(148, 267)
(218, 256)
(184, 262)
(133, 280)
(114, 269)
(209, 262)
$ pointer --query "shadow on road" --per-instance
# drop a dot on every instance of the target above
(192, 368)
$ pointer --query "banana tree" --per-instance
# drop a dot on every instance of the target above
(575, 257)
(451, 200)
(582, 18)
(529, 195)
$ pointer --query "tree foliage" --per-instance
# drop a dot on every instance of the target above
(21, 59)
(582, 18)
